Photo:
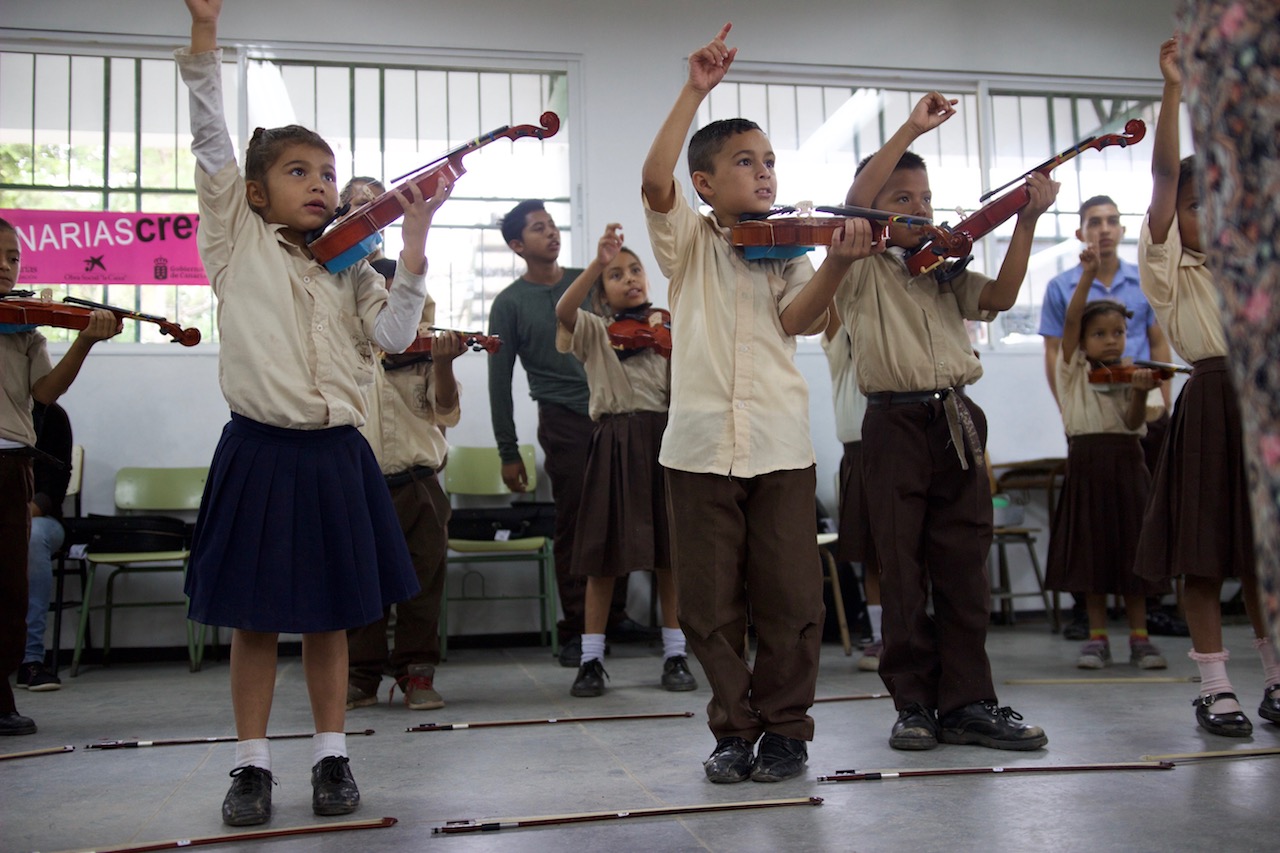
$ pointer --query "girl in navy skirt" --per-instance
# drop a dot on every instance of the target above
(296, 531)
(1198, 522)
(1095, 530)
(622, 525)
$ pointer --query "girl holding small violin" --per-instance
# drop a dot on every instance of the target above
(622, 523)
(296, 361)
(26, 374)
(1094, 535)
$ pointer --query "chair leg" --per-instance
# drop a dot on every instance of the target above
(106, 622)
(57, 611)
(83, 630)
(1006, 603)
(552, 597)
(444, 616)
(838, 596)
(1050, 602)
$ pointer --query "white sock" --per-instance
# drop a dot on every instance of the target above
(326, 744)
(672, 642)
(1270, 661)
(1214, 680)
(874, 614)
(592, 647)
(254, 752)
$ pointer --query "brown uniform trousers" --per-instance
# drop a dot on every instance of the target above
(931, 522)
(15, 530)
(746, 550)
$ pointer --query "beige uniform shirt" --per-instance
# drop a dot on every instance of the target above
(850, 403)
(908, 332)
(739, 404)
(1088, 408)
(640, 383)
(1182, 293)
(24, 360)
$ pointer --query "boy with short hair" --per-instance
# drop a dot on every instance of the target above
(923, 450)
(738, 458)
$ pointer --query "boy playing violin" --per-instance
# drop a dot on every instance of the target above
(738, 458)
(923, 447)
(26, 374)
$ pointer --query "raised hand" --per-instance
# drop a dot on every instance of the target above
(709, 64)
(204, 10)
(1170, 67)
(932, 110)
(610, 244)
(1089, 261)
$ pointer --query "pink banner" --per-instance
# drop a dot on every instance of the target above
(89, 247)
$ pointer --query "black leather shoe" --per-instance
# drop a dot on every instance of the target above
(571, 653)
(333, 788)
(987, 724)
(248, 802)
(1161, 623)
(1077, 628)
(1229, 724)
(1270, 707)
(917, 728)
(779, 758)
(590, 680)
(14, 723)
(730, 761)
(676, 676)
(628, 630)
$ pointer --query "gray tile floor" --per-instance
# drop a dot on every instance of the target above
(94, 798)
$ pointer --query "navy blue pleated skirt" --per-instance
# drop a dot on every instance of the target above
(296, 533)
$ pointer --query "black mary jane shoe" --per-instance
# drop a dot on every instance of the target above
(1230, 724)
(1270, 707)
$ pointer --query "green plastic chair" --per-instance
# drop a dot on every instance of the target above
(144, 490)
(477, 471)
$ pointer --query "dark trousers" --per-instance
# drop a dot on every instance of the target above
(931, 521)
(423, 510)
(746, 550)
(565, 437)
(15, 530)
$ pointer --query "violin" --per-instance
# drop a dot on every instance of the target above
(986, 219)
(356, 236)
(24, 308)
(781, 236)
(1122, 374)
(420, 349)
(630, 334)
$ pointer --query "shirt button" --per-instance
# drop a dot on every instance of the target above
(306, 279)
(743, 348)
(319, 327)
(741, 405)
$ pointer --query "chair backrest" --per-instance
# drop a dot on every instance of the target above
(478, 471)
(77, 477)
(168, 489)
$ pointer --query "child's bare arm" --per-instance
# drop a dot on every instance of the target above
(1135, 412)
(1079, 299)
(606, 250)
(48, 388)
(1002, 293)
(707, 67)
(1165, 157)
(931, 110)
(204, 24)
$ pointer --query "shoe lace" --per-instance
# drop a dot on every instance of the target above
(333, 768)
(408, 684)
(995, 710)
(253, 783)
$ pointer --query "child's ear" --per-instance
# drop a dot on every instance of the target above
(256, 194)
(516, 246)
(703, 186)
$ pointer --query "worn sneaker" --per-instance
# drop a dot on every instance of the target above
(38, 678)
(1095, 654)
(730, 761)
(987, 724)
(419, 688)
(870, 660)
(357, 698)
(590, 680)
(333, 788)
(248, 802)
(676, 676)
(1145, 655)
(916, 728)
(779, 758)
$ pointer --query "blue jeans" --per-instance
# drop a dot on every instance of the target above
(46, 538)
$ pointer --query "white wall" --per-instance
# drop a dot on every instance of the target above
(164, 408)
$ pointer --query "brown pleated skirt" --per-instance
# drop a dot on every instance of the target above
(854, 545)
(1197, 521)
(1094, 534)
(622, 522)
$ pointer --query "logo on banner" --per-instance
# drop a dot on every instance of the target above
(160, 269)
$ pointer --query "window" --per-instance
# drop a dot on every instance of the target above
(821, 131)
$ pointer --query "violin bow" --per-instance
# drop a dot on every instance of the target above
(880, 775)
(489, 724)
(850, 211)
(138, 744)
(252, 835)
(32, 753)
(455, 827)
(853, 697)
